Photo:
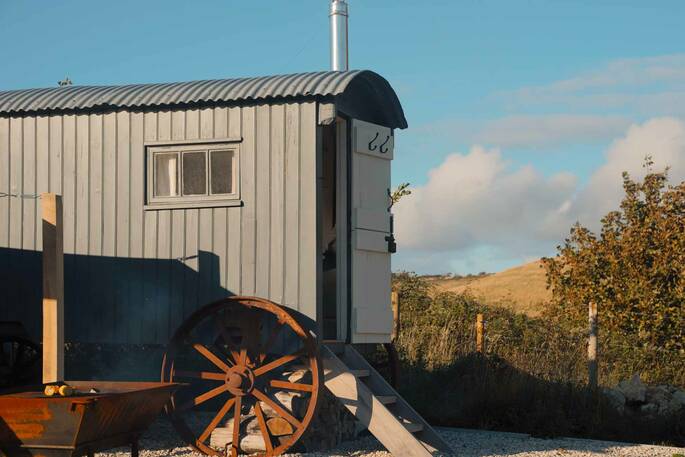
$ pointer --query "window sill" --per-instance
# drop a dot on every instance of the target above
(193, 205)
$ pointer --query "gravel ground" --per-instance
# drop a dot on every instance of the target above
(161, 440)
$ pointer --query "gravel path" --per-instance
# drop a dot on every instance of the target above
(161, 440)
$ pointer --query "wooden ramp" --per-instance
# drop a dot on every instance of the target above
(364, 392)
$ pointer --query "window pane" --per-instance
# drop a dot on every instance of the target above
(194, 173)
(166, 175)
(222, 172)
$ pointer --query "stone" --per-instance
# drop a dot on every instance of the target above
(634, 389)
(677, 401)
(616, 398)
(649, 409)
(659, 395)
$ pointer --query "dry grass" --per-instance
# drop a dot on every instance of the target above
(522, 289)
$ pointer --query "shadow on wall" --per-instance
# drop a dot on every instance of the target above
(486, 392)
(110, 299)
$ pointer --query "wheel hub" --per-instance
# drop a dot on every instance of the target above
(239, 380)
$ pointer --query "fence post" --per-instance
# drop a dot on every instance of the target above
(53, 288)
(395, 300)
(480, 334)
(592, 346)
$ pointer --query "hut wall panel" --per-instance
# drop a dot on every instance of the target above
(4, 212)
(133, 275)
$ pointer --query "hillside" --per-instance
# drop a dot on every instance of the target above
(522, 288)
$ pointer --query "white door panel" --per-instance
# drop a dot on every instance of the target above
(371, 220)
(372, 151)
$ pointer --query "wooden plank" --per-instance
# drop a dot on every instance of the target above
(122, 327)
(192, 129)
(164, 228)
(220, 221)
(16, 182)
(207, 258)
(151, 307)
(28, 222)
(69, 218)
(96, 181)
(82, 182)
(5, 264)
(137, 309)
(80, 262)
(190, 272)
(207, 123)
(177, 285)
(5, 174)
(292, 205)
(277, 202)
(56, 156)
(109, 224)
(309, 262)
(248, 170)
(42, 170)
(233, 279)
(263, 200)
(592, 346)
(53, 288)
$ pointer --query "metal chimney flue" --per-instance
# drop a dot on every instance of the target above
(339, 53)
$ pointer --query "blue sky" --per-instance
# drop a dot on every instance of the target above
(533, 95)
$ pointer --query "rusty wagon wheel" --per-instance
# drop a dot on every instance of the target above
(19, 361)
(253, 375)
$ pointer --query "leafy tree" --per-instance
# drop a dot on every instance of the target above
(634, 270)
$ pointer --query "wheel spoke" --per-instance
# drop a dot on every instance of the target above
(291, 385)
(209, 355)
(278, 362)
(200, 375)
(204, 397)
(263, 427)
(219, 416)
(235, 445)
(276, 407)
(243, 356)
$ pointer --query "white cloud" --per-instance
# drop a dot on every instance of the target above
(475, 203)
(475, 198)
(550, 130)
(662, 138)
(651, 85)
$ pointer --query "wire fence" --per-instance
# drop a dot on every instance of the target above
(536, 349)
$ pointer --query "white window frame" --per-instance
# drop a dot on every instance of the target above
(191, 201)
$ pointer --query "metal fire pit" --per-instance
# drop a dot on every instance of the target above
(99, 416)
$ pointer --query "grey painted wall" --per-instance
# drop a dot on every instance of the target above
(123, 280)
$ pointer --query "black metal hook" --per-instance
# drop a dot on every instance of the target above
(373, 148)
(383, 151)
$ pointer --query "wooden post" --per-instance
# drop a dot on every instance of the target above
(480, 334)
(53, 289)
(592, 346)
(395, 299)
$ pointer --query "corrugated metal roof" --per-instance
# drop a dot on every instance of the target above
(355, 86)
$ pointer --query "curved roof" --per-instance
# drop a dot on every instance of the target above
(362, 94)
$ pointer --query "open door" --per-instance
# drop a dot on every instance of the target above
(372, 242)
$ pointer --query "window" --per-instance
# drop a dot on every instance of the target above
(193, 175)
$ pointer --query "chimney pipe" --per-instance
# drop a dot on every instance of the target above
(339, 53)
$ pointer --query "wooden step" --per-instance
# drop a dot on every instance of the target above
(364, 392)
(387, 399)
(360, 373)
(337, 346)
(412, 428)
